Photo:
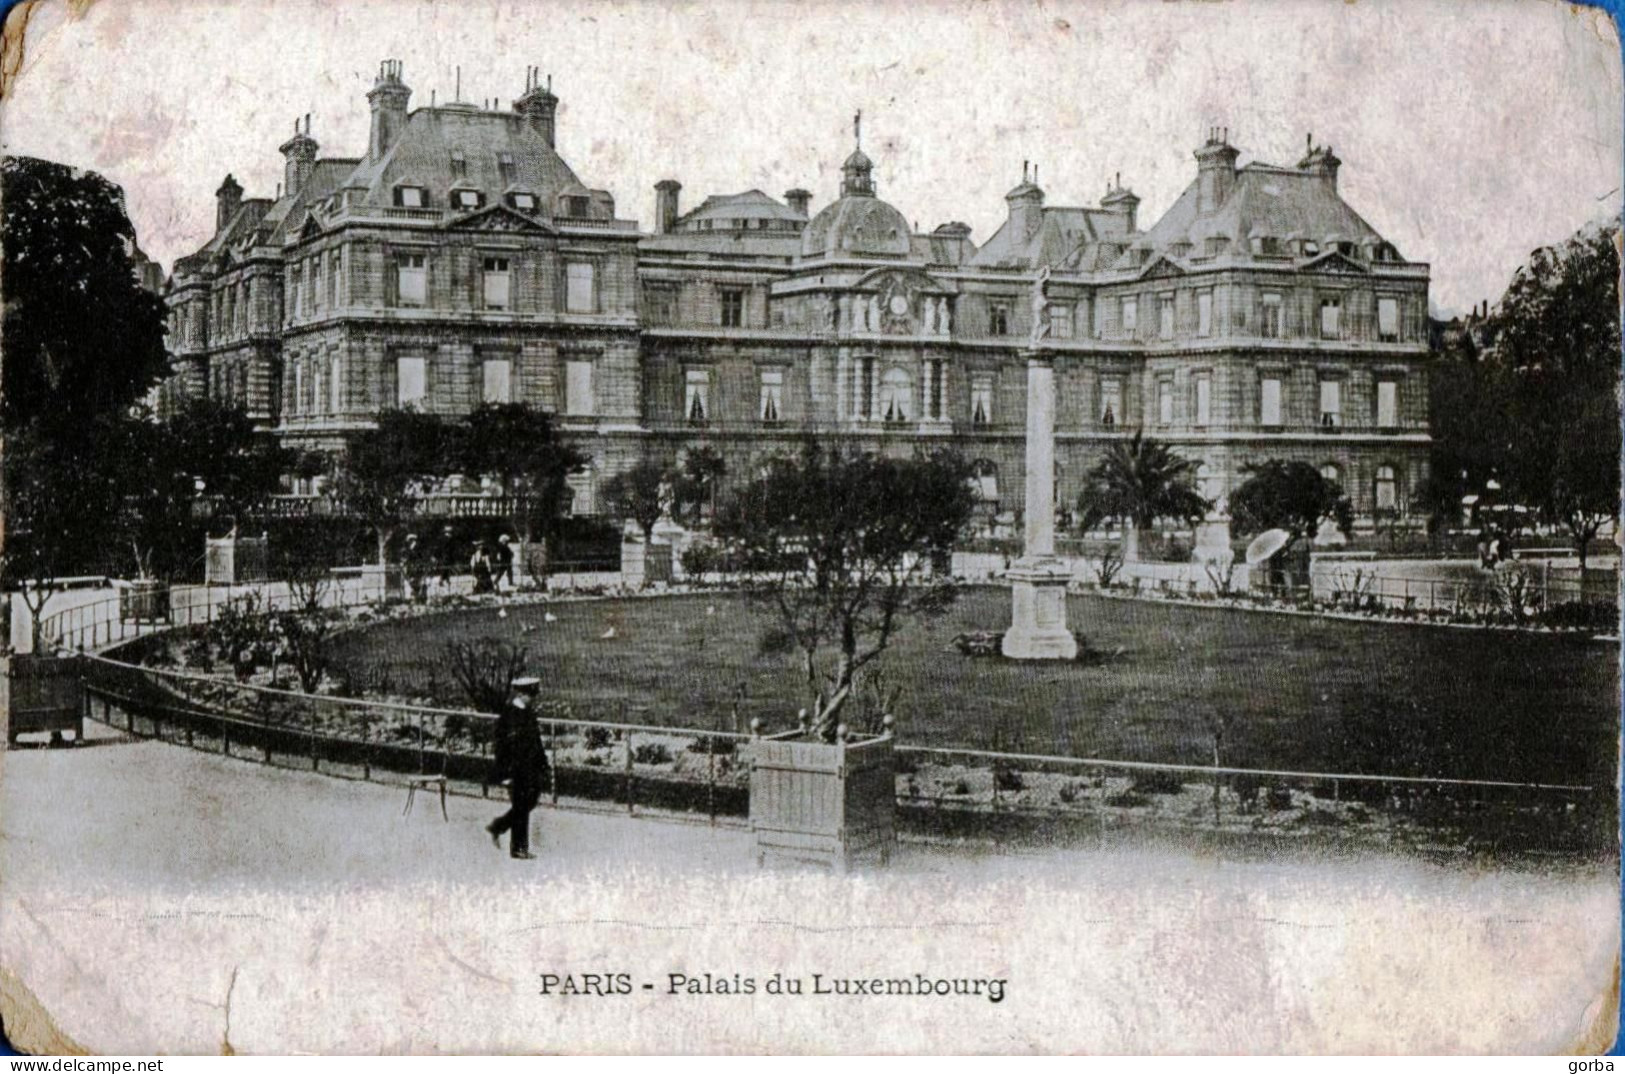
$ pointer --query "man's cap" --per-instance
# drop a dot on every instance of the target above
(527, 682)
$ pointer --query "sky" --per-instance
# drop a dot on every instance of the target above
(1470, 133)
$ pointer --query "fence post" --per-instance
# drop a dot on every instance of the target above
(553, 769)
(629, 736)
(366, 744)
(711, 779)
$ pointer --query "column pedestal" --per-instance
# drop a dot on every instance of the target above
(1038, 613)
(1037, 580)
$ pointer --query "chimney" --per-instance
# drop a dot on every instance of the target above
(388, 98)
(300, 151)
(798, 199)
(538, 105)
(954, 238)
(226, 200)
(666, 205)
(1026, 205)
(1121, 199)
(1320, 160)
(1215, 170)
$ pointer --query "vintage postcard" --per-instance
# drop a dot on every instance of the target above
(742, 527)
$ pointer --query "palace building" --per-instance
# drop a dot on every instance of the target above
(461, 260)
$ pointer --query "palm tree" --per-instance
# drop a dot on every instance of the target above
(1140, 481)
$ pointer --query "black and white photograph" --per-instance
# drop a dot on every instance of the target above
(741, 527)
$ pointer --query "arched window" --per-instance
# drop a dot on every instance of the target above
(1332, 473)
(1387, 489)
(896, 388)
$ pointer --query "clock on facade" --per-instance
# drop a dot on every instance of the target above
(899, 305)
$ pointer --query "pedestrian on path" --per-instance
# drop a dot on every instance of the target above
(521, 763)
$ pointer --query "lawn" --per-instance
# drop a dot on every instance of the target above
(1294, 692)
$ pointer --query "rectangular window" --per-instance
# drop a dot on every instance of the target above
(1165, 401)
(1331, 404)
(998, 320)
(298, 387)
(496, 283)
(1165, 317)
(1111, 400)
(660, 302)
(576, 205)
(1388, 319)
(1099, 312)
(334, 271)
(580, 292)
(1269, 402)
(697, 396)
(496, 381)
(525, 203)
(335, 378)
(1204, 398)
(318, 390)
(298, 295)
(733, 307)
(410, 197)
(317, 292)
(1269, 323)
(1131, 316)
(981, 399)
(412, 279)
(466, 199)
(1387, 404)
(505, 169)
(1204, 313)
(578, 397)
(459, 163)
(411, 381)
(1331, 318)
(772, 395)
(1060, 321)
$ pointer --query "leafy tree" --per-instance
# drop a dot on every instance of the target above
(639, 495)
(838, 547)
(384, 471)
(236, 465)
(1291, 496)
(82, 337)
(699, 481)
(520, 446)
(1140, 481)
(1555, 340)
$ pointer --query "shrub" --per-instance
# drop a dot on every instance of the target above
(652, 753)
(1158, 783)
(713, 744)
(598, 738)
(1128, 799)
(959, 787)
(1008, 779)
(1069, 793)
(979, 642)
(1598, 615)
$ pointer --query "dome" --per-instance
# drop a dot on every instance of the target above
(854, 225)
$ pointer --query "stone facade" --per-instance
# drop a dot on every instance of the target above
(462, 260)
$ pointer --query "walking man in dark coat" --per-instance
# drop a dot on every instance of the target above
(521, 763)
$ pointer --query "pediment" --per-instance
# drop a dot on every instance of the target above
(1161, 267)
(1336, 263)
(310, 228)
(498, 218)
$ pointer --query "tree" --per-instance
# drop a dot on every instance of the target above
(236, 465)
(639, 495)
(82, 343)
(519, 445)
(1290, 496)
(1555, 339)
(1140, 481)
(384, 471)
(838, 546)
(698, 482)
(82, 337)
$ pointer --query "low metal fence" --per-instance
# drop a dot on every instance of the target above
(685, 771)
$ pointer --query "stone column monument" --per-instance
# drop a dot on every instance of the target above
(1037, 580)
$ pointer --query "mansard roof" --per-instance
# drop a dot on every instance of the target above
(422, 156)
(1066, 237)
(752, 205)
(1266, 201)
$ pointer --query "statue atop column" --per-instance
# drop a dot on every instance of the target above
(1040, 327)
